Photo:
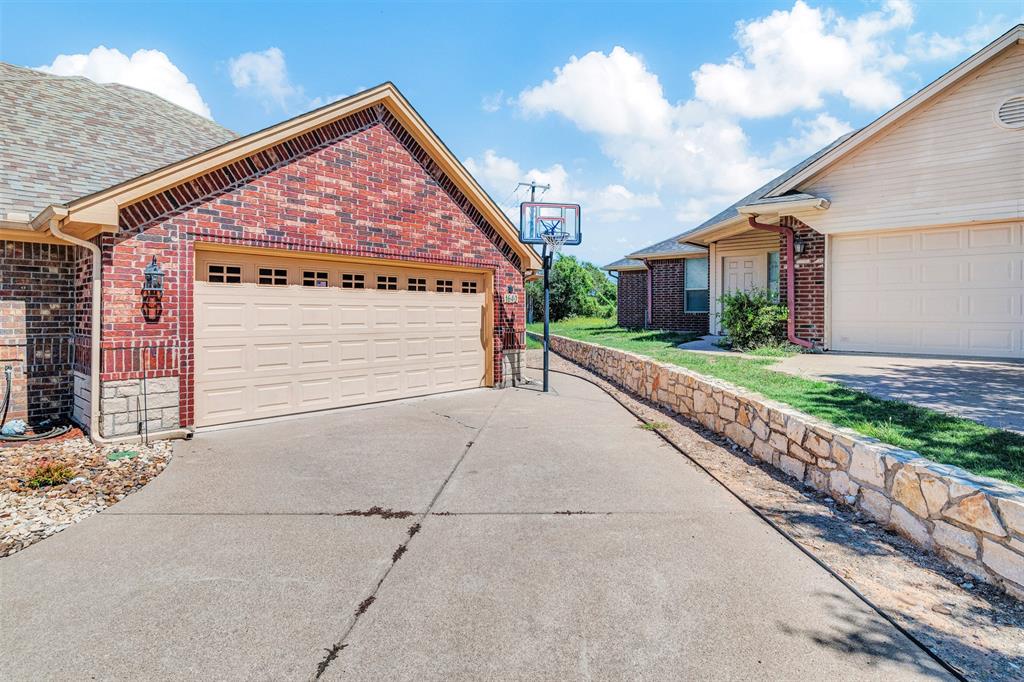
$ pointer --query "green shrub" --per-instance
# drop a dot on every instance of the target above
(753, 319)
(50, 473)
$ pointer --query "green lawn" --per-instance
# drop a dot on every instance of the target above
(940, 437)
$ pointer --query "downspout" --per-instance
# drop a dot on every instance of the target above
(649, 308)
(790, 283)
(94, 347)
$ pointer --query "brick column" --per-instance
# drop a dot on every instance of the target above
(809, 279)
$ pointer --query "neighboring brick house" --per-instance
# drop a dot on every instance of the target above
(664, 286)
(905, 238)
(341, 257)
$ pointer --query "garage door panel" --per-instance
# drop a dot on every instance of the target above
(940, 240)
(956, 291)
(263, 351)
(984, 237)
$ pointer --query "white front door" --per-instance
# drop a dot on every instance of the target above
(740, 273)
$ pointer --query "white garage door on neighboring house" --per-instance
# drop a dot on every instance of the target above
(277, 336)
(945, 291)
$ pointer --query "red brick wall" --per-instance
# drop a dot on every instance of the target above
(632, 299)
(667, 308)
(359, 187)
(809, 314)
(37, 304)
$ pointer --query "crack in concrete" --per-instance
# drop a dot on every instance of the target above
(454, 419)
(332, 653)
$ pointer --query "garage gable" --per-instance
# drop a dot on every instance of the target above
(949, 161)
(173, 189)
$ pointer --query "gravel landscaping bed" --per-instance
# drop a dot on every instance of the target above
(970, 624)
(102, 476)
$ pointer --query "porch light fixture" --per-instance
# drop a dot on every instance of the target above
(798, 246)
(153, 282)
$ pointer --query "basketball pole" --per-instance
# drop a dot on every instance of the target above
(546, 259)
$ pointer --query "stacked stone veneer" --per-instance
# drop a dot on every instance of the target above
(130, 406)
(975, 523)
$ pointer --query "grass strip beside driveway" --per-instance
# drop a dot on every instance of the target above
(981, 449)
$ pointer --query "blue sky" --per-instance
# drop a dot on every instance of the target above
(653, 116)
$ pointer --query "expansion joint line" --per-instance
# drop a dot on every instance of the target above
(332, 653)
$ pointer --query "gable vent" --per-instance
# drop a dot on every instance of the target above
(1010, 113)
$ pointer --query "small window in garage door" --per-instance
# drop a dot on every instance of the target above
(468, 287)
(387, 282)
(314, 278)
(417, 284)
(277, 277)
(220, 273)
(444, 286)
(353, 280)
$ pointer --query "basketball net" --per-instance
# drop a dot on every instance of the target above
(553, 234)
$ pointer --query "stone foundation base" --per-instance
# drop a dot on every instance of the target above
(133, 406)
(511, 368)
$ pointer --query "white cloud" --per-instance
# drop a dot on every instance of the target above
(149, 70)
(611, 94)
(812, 135)
(265, 76)
(793, 59)
(493, 102)
(685, 147)
(613, 203)
(936, 46)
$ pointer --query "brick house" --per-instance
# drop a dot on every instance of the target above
(344, 256)
(906, 236)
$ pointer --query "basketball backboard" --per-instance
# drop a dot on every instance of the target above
(541, 223)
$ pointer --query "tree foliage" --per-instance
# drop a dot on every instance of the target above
(577, 290)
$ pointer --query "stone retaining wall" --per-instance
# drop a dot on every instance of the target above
(975, 523)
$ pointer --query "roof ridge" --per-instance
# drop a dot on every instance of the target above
(160, 113)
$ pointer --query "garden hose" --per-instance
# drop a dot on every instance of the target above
(24, 437)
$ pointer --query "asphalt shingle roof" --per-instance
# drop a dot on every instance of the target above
(624, 263)
(62, 138)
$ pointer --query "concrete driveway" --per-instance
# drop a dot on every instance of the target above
(985, 390)
(554, 540)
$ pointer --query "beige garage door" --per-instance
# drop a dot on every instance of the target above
(955, 291)
(276, 337)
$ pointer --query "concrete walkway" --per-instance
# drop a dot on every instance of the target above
(990, 391)
(242, 562)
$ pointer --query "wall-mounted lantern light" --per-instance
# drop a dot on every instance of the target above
(798, 246)
(153, 284)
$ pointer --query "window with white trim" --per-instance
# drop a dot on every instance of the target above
(314, 278)
(468, 287)
(224, 274)
(695, 285)
(387, 282)
(417, 284)
(277, 277)
(445, 286)
(353, 280)
(773, 274)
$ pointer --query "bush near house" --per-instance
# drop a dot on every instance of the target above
(577, 290)
(753, 319)
(940, 437)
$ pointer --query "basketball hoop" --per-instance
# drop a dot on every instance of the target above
(554, 226)
(553, 233)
